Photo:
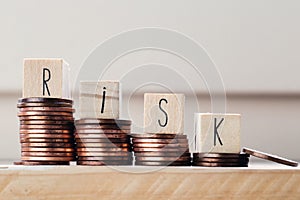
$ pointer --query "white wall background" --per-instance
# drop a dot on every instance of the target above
(255, 45)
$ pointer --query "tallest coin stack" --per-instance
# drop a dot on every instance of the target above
(46, 131)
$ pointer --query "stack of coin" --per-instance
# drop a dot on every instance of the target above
(220, 159)
(46, 131)
(103, 142)
(161, 150)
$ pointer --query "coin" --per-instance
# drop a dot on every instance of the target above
(100, 163)
(158, 136)
(163, 154)
(270, 157)
(150, 163)
(160, 149)
(154, 145)
(222, 160)
(43, 100)
(160, 141)
(43, 158)
(166, 159)
(210, 164)
(101, 149)
(101, 154)
(47, 140)
(100, 145)
(102, 131)
(220, 155)
(105, 158)
(46, 122)
(47, 109)
(53, 104)
(103, 121)
(50, 154)
(102, 140)
(51, 118)
(41, 131)
(52, 144)
(48, 149)
(42, 163)
(44, 113)
(52, 136)
(111, 135)
(96, 127)
(61, 127)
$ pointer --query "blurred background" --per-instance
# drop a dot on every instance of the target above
(255, 45)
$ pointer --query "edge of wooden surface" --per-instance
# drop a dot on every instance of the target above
(87, 182)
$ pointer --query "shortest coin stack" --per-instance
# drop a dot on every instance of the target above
(46, 131)
(103, 142)
(220, 159)
(161, 150)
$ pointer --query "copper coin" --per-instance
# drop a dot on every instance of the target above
(46, 140)
(102, 140)
(103, 121)
(101, 145)
(54, 104)
(80, 149)
(46, 122)
(163, 154)
(47, 109)
(42, 163)
(102, 131)
(220, 155)
(160, 149)
(52, 136)
(165, 159)
(106, 158)
(210, 164)
(154, 145)
(44, 113)
(158, 136)
(49, 131)
(43, 100)
(117, 135)
(43, 158)
(62, 127)
(53, 144)
(160, 141)
(150, 163)
(51, 118)
(101, 163)
(48, 154)
(102, 154)
(96, 127)
(48, 149)
(222, 160)
(270, 157)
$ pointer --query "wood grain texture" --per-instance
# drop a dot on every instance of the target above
(55, 73)
(164, 113)
(219, 133)
(91, 99)
(77, 182)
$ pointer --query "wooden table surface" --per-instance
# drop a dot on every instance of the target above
(259, 181)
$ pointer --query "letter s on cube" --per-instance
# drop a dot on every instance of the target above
(164, 113)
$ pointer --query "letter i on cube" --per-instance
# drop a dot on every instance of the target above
(217, 133)
(99, 100)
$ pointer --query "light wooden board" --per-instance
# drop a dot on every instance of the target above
(77, 182)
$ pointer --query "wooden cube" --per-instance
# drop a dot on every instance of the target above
(164, 113)
(218, 133)
(99, 100)
(46, 78)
